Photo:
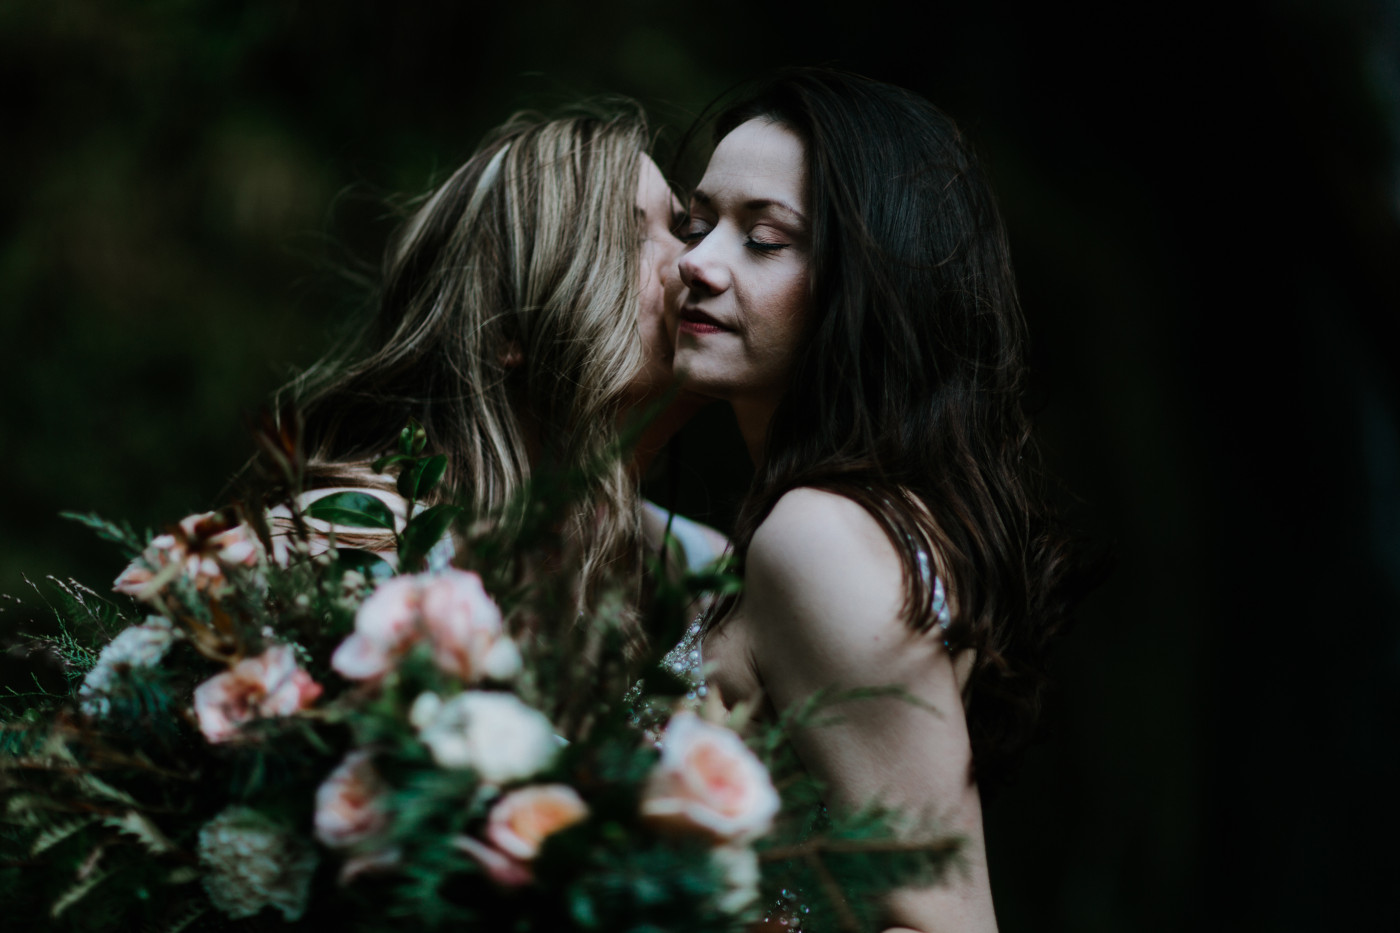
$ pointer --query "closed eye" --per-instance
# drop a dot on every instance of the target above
(694, 230)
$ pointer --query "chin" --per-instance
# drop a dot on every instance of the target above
(703, 387)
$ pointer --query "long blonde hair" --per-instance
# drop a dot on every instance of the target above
(507, 325)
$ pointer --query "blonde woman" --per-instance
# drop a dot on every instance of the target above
(520, 319)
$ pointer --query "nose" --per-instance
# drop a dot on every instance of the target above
(701, 270)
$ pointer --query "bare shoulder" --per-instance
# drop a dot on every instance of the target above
(822, 609)
(815, 538)
(823, 583)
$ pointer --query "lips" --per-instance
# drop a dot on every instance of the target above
(695, 321)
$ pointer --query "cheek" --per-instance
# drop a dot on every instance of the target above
(653, 281)
(784, 313)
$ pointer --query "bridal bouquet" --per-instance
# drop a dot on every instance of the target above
(269, 732)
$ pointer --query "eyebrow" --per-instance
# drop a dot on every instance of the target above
(754, 204)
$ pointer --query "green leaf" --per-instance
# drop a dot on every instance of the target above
(431, 474)
(368, 563)
(581, 908)
(353, 509)
(383, 463)
(408, 480)
(412, 439)
(426, 530)
(419, 479)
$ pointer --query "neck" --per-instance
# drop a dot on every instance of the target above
(754, 416)
(663, 427)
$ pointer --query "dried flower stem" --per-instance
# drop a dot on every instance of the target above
(834, 894)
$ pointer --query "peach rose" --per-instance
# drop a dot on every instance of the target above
(451, 610)
(517, 827)
(708, 782)
(501, 868)
(200, 547)
(350, 803)
(521, 820)
(269, 685)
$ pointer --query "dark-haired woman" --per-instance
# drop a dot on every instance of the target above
(849, 293)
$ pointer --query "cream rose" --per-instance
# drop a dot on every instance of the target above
(269, 685)
(350, 803)
(708, 782)
(495, 734)
(136, 646)
(520, 821)
(738, 865)
(451, 610)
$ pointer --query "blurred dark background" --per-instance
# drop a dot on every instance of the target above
(1204, 203)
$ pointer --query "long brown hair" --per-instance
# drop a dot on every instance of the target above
(906, 393)
(506, 324)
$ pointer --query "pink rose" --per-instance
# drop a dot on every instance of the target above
(385, 625)
(464, 626)
(521, 820)
(163, 551)
(269, 685)
(200, 547)
(450, 610)
(350, 803)
(708, 782)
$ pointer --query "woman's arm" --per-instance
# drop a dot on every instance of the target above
(822, 598)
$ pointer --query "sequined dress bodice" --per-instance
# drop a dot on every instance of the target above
(687, 660)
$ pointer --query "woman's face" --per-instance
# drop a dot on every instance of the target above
(745, 267)
(658, 213)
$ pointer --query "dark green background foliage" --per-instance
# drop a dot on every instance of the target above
(1203, 207)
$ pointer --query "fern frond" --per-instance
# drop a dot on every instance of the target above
(102, 789)
(183, 875)
(28, 809)
(57, 833)
(123, 535)
(143, 830)
(186, 916)
(79, 890)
